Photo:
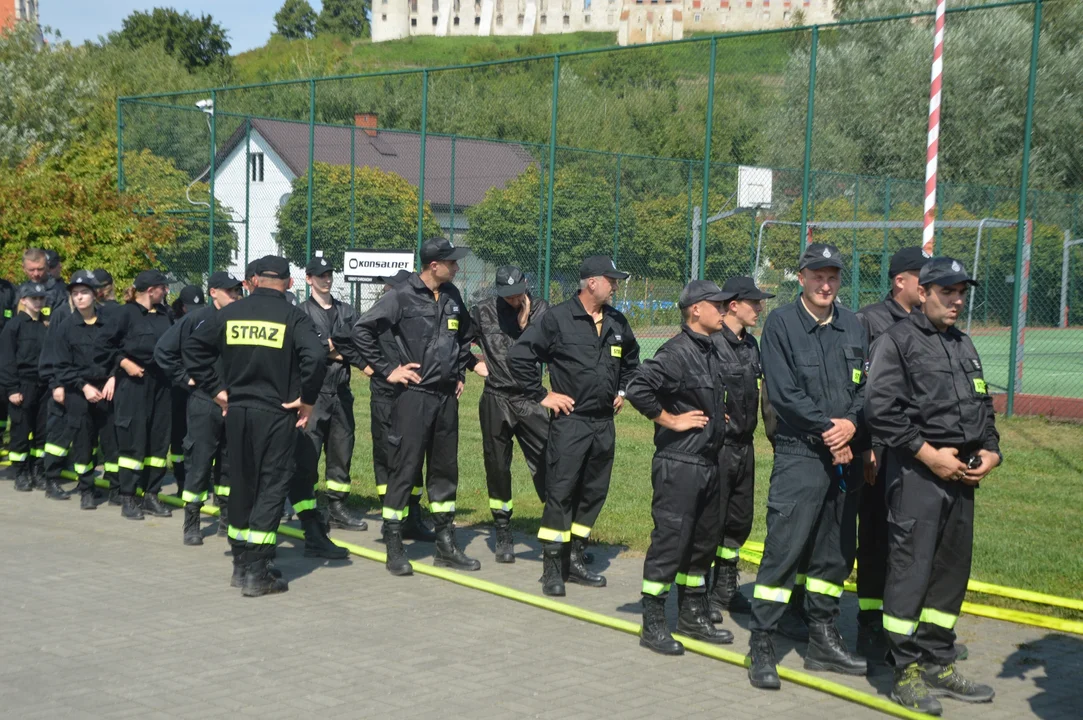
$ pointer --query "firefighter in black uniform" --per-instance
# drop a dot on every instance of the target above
(8, 302)
(189, 299)
(429, 322)
(927, 403)
(272, 367)
(504, 412)
(903, 270)
(22, 386)
(683, 391)
(743, 375)
(592, 355)
(60, 430)
(813, 360)
(332, 423)
(107, 437)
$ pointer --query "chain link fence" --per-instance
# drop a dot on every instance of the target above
(698, 158)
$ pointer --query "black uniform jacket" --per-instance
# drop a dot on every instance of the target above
(56, 297)
(141, 329)
(814, 373)
(496, 328)
(270, 353)
(8, 302)
(20, 349)
(743, 375)
(169, 356)
(47, 361)
(588, 367)
(88, 352)
(434, 332)
(335, 324)
(878, 317)
(927, 386)
(685, 374)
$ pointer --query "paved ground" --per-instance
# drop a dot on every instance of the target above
(111, 618)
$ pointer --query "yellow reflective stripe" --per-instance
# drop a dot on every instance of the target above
(442, 507)
(176, 458)
(257, 537)
(335, 486)
(551, 535)
(139, 492)
(415, 490)
(82, 469)
(979, 386)
(16, 457)
(870, 604)
(68, 475)
(727, 553)
(191, 497)
(56, 450)
(691, 580)
(651, 587)
(392, 514)
(111, 467)
(823, 587)
(221, 490)
(495, 504)
(236, 533)
(774, 594)
(800, 579)
(381, 489)
(580, 530)
(899, 626)
(938, 617)
(37, 452)
(128, 463)
(155, 462)
(304, 505)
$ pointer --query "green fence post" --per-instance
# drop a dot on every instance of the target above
(704, 206)
(214, 153)
(552, 177)
(353, 188)
(542, 186)
(421, 176)
(452, 190)
(855, 280)
(887, 238)
(120, 146)
(247, 183)
(808, 134)
(687, 264)
(616, 221)
(311, 164)
(1021, 229)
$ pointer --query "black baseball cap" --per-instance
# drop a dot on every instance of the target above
(148, 279)
(318, 266)
(440, 248)
(743, 287)
(32, 289)
(191, 295)
(103, 277)
(222, 280)
(700, 290)
(600, 265)
(820, 255)
(274, 266)
(510, 281)
(52, 258)
(944, 271)
(910, 259)
(253, 268)
(83, 277)
(395, 279)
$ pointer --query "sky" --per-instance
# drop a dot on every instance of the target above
(249, 22)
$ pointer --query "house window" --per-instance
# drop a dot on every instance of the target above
(520, 21)
(456, 6)
(436, 6)
(567, 21)
(500, 21)
(255, 167)
(698, 17)
(586, 4)
(477, 21)
(543, 19)
(413, 6)
(434, 19)
(586, 19)
(413, 22)
(384, 17)
(456, 21)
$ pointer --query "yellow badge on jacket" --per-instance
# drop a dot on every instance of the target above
(255, 332)
(615, 350)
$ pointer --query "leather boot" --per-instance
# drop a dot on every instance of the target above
(419, 525)
(223, 517)
(827, 651)
(946, 681)
(37, 474)
(190, 531)
(237, 549)
(87, 501)
(762, 666)
(130, 507)
(345, 517)
(153, 506)
(317, 543)
(114, 497)
(693, 620)
(397, 561)
(53, 491)
(655, 634)
(871, 640)
(552, 578)
(505, 544)
(726, 591)
(448, 553)
(577, 571)
(257, 578)
(23, 481)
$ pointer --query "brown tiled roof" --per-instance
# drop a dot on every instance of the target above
(479, 164)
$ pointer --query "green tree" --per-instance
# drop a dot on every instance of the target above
(295, 20)
(197, 42)
(348, 18)
(385, 207)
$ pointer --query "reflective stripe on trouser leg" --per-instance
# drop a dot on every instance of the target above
(497, 434)
(726, 553)
(190, 497)
(815, 585)
(204, 444)
(870, 603)
(656, 589)
(579, 461)
(261, 444)
(339, 442)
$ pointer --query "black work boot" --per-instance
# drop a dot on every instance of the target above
(505, 543)
(447, 552)
(552, 578)
(87, 500)
(397, 561)
(190, 531)
(762, 665)
(37, 474)
(418, 524)
(693, 620)
(258, 579)
(53, 491)
(871, 640)
(223, 517)
(577, 570)
(237, 549)
(655, 634)
(945, 681)
(153, 506)
(130, 507)
(827, 651)
(912, 692)
(317, 543)
(726, 591)
(345, 517)
(114, 497)
(23, 482)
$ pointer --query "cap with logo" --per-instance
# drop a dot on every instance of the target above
(222, 280)
(510, 281)
(910, 259)
(103, 277)
(601, 265)
(52, 258)
(83, 277)
(820, 255)
(252, 269)
(191, 295)
(32, 289)
(148, 279)
(274, 266)
(944, 271)
(318, 266)
(395, 279)
(700, 291)
(440, 248)
(743, 287)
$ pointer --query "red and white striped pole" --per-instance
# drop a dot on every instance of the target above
(928, 239)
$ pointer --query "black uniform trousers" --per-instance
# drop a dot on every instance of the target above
(92, 422)
(685, 509)
(872, 546)
(262, 445)
(330, 426)
(205, 451)
(380, 408)
(579, 461)
(930, 541)
(142, 415)
(424, 430)
(505, 417)
(28, 423)
(178, 429)
(60, 431)
(804, 526)
(737, 478)
(107, 446)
